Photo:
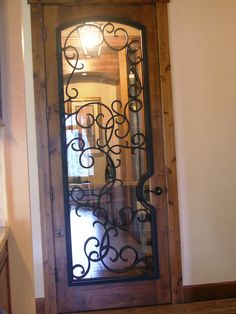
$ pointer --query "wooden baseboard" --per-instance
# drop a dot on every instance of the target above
(40, 306)
(194, 293)
(212, 291)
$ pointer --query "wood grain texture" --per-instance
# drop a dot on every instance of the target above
(170, 155)
(43, 159)
(158, 178)
(207, 307)
(51, 22)
(210, 307)
(192, 294)
(40, 306)
(5, 295)
(119, 295)
(213, 291)
(87, 2)
(54, 148)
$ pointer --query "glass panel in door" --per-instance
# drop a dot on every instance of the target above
(107, 158)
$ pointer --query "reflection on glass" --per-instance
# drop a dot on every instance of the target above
(110, 226)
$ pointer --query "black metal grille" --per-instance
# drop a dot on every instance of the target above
(120, 129)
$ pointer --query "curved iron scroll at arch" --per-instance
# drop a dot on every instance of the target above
(120, 128)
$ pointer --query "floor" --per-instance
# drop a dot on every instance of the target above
(208, 307)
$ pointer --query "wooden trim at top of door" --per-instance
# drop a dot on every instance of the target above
(87, 2)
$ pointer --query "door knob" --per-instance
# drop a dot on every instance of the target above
(157, 190)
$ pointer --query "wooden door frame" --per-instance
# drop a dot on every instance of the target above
(43, 145)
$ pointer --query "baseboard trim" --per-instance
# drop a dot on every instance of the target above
(211, 291)
(193, 293)
(40, 305)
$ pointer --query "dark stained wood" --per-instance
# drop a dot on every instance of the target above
(170, 155)
(40, 306)
(193, 293)
(158, 177)
(50, 18)
(87, 2)
(168, 239)
(219, 306)
(43, 159)
(5, 295)
(213, 291)
(129, 293)
(210, 307)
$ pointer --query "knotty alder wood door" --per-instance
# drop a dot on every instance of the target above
(106, 156)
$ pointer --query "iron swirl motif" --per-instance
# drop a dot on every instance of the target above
(116, 134)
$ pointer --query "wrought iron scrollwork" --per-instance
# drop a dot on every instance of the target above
(116, 135)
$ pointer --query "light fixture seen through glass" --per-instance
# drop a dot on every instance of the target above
(91, 39)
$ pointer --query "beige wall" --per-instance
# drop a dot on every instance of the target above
(16, 161)
(203, 53)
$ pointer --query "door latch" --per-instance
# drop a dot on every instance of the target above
(157, 190)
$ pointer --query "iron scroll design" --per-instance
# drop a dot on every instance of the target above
(116, 135)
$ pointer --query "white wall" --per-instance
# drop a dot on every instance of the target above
(203, 54)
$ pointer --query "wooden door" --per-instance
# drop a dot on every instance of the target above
(141, 198)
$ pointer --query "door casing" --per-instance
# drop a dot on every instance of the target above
(43, 145)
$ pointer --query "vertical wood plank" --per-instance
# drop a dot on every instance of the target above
(40, 306)
(158, 177)
(51, 21)
(170, 155)
(5, 296)
(43, 158)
